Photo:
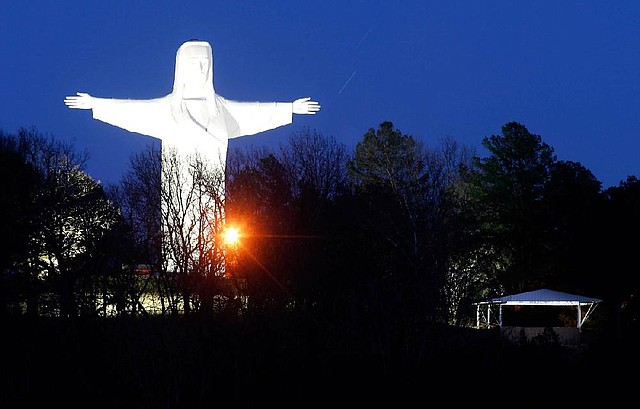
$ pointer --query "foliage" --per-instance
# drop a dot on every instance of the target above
(411, 210)
(65, 261)
(509, 188)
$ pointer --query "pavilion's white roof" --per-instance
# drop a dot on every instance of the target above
(542, 297)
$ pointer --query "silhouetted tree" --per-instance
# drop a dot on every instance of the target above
(138, 198)
(316, 169)
(260, 202)
(192, 207)
(573, 204)
(19, 181)
(65, 260)
(389, 169)
(464, 262)
(409, 211)
(618, 279)
(511, 183)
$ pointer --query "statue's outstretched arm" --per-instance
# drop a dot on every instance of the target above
(305, 106)
(150, 117)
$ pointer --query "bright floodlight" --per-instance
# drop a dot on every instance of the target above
(231, 236)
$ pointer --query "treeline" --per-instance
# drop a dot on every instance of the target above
(391, 237)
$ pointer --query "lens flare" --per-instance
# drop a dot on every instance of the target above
(231, 236)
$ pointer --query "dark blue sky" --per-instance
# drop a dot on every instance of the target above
(567, 70)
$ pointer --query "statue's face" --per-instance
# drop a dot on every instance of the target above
(196, 69)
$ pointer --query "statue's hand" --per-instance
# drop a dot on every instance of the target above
(305, 106)
(81, 101)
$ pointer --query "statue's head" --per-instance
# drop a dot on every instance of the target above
(194, 70)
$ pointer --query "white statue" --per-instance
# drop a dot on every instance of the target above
(193, 120)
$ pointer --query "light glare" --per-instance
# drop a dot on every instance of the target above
(231, 236)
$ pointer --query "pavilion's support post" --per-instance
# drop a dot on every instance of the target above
(579, 317)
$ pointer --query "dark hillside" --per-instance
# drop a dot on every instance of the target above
(193, 362)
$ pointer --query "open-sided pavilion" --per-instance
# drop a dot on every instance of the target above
(543, 297)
